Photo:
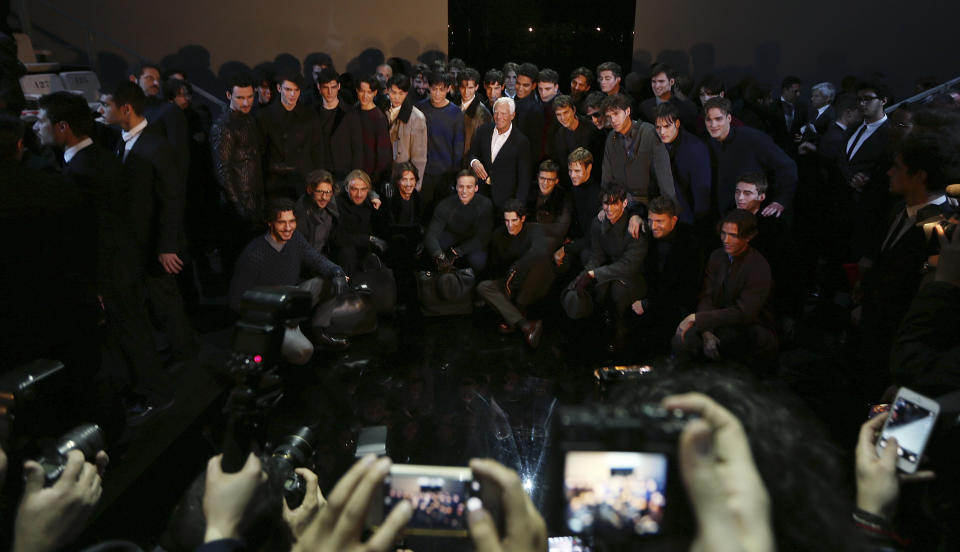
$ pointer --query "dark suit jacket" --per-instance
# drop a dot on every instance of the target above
(510, 173)
(154, 196)
(744, 298)
(98, 176)
(784, 135)
(290, 142)
(172, 123)
(871, 203)
(340, 140)
(673, 278)
(824, 121)
(529, 120)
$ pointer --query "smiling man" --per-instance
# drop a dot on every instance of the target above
(733, 320)
(460, 229)
(662, 82)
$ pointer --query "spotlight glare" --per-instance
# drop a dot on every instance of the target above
(530, 29)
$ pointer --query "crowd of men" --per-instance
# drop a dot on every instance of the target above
(691, 223)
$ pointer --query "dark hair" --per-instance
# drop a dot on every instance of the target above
(756, 92)
(745, 220)
(316, 177)
(276, 206)
(756, 178)
(139, 68)
(616, 101)
(493, 75)
(326, 75)
(582, 72)
(371, 81)
(789, 81)
(289, 75)
(658, 68)
(563, 100)
(595, 99)
(663, 205)
(936, 153)
(168, 73)
(470, 173)
(456, 63)
(610, 66)
(510, 66)
(549, 165)
(803, 472)
(720, 102)
(438, 77)
(879, 88)
(514, 205)
(845, 102)
(528, 70)
(668, 111)
(11, 132)
(399, 80)
(129, 93)
(712, 84)
(239, 80)
(400, 168)
(69, 108)
(548, 75)
(469, 74)
(172, 87)
(613, 191)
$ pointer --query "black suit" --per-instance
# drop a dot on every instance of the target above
(510, 172)
(784, 133)
(824, 121)
(530, 121)
(171, 121)
(154, 197)
(870, 203)
(99, 177)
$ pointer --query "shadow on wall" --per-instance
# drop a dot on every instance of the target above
(701, 61)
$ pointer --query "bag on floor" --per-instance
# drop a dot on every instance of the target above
(353, 314)
(447, 293)
(381, 283)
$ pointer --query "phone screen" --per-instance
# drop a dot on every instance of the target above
(610, 492)
(566, 544)
(911, 424)
(439, 503)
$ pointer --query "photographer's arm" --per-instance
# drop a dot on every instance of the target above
(726, 492)
(226, 496)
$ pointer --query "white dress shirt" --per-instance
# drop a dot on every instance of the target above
(871, 128)
(72, 150)
(130, 137)
(498, 141)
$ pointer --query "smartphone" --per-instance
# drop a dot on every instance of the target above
(438, 495)
(912, 419)
(616, 493)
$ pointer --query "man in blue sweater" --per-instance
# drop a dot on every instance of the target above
(277, 259)
(740, 150)
(689, 163)
(445, 139)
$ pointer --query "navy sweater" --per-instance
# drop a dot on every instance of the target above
(749, 150)
(444, 137)
(690, 164)
(262, 265)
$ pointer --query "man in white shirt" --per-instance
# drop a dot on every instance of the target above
(500, 156)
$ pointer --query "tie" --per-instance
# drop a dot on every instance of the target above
(853, 145)
(788, 114)
(121, 149)
(895, 230)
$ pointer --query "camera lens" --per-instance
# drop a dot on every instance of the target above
(87, 438)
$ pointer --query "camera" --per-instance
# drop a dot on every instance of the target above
(618, 473)
(87, 438)
(438, 495)
(292, 452)
(25, 393)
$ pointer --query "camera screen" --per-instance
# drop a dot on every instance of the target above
(439, 503)
(566, 544)
(615, 492)
(910, 424)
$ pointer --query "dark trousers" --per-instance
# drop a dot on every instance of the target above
(350, 257)
(535, 285)
(130, 335)
(747, 343)
(166, 303)
(614, 295)
(476, 260)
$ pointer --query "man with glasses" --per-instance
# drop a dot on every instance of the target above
(316, 210)
(733, 319)
(863, 166)
(551, 207)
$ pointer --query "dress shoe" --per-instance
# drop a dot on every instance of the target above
(504, 328)
(531, 332)
(329, 342)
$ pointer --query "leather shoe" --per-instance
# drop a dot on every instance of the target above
(531, 332)
(329, 342)
(145, 411)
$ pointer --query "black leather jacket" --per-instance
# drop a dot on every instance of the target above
(237, 149)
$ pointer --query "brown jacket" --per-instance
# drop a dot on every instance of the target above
(744, 300)
(473, 118)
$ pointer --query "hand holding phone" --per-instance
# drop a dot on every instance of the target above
(877, 485)
(911, 421)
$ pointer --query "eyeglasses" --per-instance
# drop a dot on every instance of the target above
(546, 178)
(322, 193)
(867, 99)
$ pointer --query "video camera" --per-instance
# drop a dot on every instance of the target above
(617, 468)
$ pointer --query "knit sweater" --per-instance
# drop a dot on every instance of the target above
(445, 137)
(262, 265)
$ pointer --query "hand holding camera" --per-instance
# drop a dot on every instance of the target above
(51, 517)
(226, 496)
(724, 488)
(300, 517)
(525, 529)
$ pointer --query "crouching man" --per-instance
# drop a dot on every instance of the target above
(733, 320)
(277, 259)
(613, 276)
(522, 272)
